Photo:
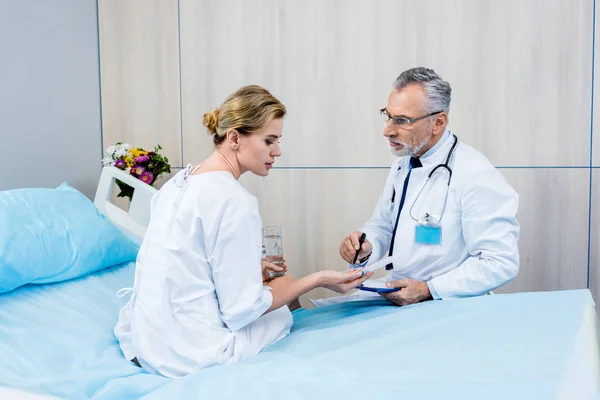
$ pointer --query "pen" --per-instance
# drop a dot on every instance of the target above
(362, 239)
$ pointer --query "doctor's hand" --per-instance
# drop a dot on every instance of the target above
(267, 266)
(412, 292)
(342, 281)
(350, 245)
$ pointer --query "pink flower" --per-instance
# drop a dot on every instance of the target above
(146, 177)
(120, 163)
(142, 159)
(138, 170)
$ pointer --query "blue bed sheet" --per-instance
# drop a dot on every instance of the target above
(58, 339)
(493, 347)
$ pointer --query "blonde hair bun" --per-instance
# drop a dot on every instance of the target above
(247, 110)
(211, 121)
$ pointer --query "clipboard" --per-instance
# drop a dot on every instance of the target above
(377, 286)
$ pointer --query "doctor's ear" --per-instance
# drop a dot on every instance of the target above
(441, 120)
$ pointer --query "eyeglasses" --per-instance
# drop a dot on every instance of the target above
(403, 121)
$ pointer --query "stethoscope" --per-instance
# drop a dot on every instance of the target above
(428, 219)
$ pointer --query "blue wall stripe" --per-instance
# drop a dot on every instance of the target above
(333, 167)
(388, 167)
(180, 80)
(591, 147)
(543, 167)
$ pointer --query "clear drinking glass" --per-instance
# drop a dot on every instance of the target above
(273, 248)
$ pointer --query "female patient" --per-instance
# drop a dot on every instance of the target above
(199, 297)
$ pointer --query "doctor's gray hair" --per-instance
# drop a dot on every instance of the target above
(437, 90)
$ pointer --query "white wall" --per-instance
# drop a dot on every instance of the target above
(49, 94)
(521, 72)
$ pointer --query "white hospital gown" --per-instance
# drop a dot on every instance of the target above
(198, 295)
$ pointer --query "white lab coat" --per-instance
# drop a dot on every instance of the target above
(198, 295)
(479, 249)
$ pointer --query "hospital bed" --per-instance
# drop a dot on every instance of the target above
(57, 341)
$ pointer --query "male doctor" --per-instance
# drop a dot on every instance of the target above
(446, 215)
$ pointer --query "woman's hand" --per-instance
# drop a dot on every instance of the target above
(343, 281)
(267, 266)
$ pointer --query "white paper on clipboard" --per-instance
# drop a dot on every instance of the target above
(379, 264)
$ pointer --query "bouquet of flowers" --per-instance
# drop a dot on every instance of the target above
(147, 166)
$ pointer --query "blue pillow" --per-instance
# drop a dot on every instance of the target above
(51, 235)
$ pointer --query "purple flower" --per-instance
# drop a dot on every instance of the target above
(119, 163)
(146, 177)
(138, 170)
(142, 159)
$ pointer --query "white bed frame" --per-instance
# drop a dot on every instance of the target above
(137, 218)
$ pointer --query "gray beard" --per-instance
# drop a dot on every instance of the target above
(409, 150)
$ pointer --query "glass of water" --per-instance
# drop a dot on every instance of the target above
(273, 248)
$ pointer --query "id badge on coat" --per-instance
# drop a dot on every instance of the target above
(430, 235)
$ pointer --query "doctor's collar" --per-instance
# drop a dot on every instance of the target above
(436, 146)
